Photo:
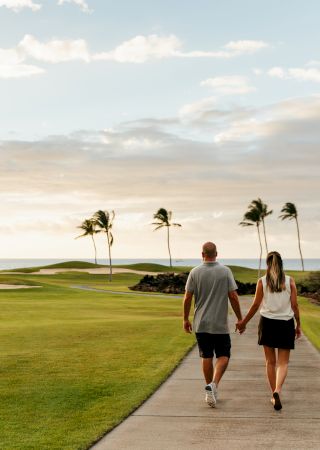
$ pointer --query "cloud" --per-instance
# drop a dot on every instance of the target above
(18, 5)
(19, 71)
(13, 62)
(297, 73)
(137, 50)
(54, 51)
(245, 47)
(229, 85)
(230, 50)
(11, 65)
(81, 3)
(196, 109)
(142, 48)
(139, 166)
(277, 72)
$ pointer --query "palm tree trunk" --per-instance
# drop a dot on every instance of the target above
(265, 236)
(110, 262)
(299, 244)
(260, 244)
(169, 246)
(95, 250)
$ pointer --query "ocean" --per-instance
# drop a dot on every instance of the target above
(289, 264)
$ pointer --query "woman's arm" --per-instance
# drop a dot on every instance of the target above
(294, 306)
(241, 325)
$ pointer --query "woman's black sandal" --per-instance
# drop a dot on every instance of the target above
(276, 403)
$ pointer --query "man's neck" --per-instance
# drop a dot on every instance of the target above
(209, 260)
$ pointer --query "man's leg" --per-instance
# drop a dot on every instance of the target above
(207, 367)
(220, 368)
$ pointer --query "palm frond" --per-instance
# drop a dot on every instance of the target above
(246, 224)
(289, 211)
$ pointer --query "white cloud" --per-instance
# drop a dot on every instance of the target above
(196, 109)
(81, 3)
(11, 65)
(19, 70)
(244, 130)
(305, 74)
(230, 50)
(296, 73)
(277, 72)
(18, 5)
(10, 56)
(229, 85)
(313, 63)
(245, 47)
(289, 118)
(257, 71)
(141, 48)
(55, 50)
(136, 50)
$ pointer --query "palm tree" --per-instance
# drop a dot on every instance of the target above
(262, 208)
(164, 220)
(103, 220)
(88, 226)
(290, 212)
(250, 218)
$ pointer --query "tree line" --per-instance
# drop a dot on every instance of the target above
(256, 215)
(102, 222)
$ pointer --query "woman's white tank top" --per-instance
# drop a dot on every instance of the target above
(276, 305)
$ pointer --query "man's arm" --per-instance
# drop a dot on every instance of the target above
(295, 307)
(234, 301)
(186, 311)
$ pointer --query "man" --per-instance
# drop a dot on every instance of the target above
(211, 284)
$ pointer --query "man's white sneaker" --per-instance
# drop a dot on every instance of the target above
(215, 391)
(210, 397)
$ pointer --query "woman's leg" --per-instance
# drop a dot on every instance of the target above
(282, 368)
(270, 356)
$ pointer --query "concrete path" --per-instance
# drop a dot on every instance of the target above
(177, 418)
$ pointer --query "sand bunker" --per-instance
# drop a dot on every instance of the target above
(17, 286)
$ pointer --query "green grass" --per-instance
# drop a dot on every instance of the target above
(310, 320)
(75, 363)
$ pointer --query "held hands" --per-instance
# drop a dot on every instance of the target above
(298, 332)
(240, 326)
(187, 326)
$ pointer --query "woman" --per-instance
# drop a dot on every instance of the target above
(278, 294)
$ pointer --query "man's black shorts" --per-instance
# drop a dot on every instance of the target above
(210, 344)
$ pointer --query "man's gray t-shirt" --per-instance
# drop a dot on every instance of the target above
(210, 283)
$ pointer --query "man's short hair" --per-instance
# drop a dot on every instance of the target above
(209, 249)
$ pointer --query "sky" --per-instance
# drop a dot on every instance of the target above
(196, 107)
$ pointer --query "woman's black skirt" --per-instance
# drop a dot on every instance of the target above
(276, 333)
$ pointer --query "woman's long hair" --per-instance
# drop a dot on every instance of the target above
(275, 275)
